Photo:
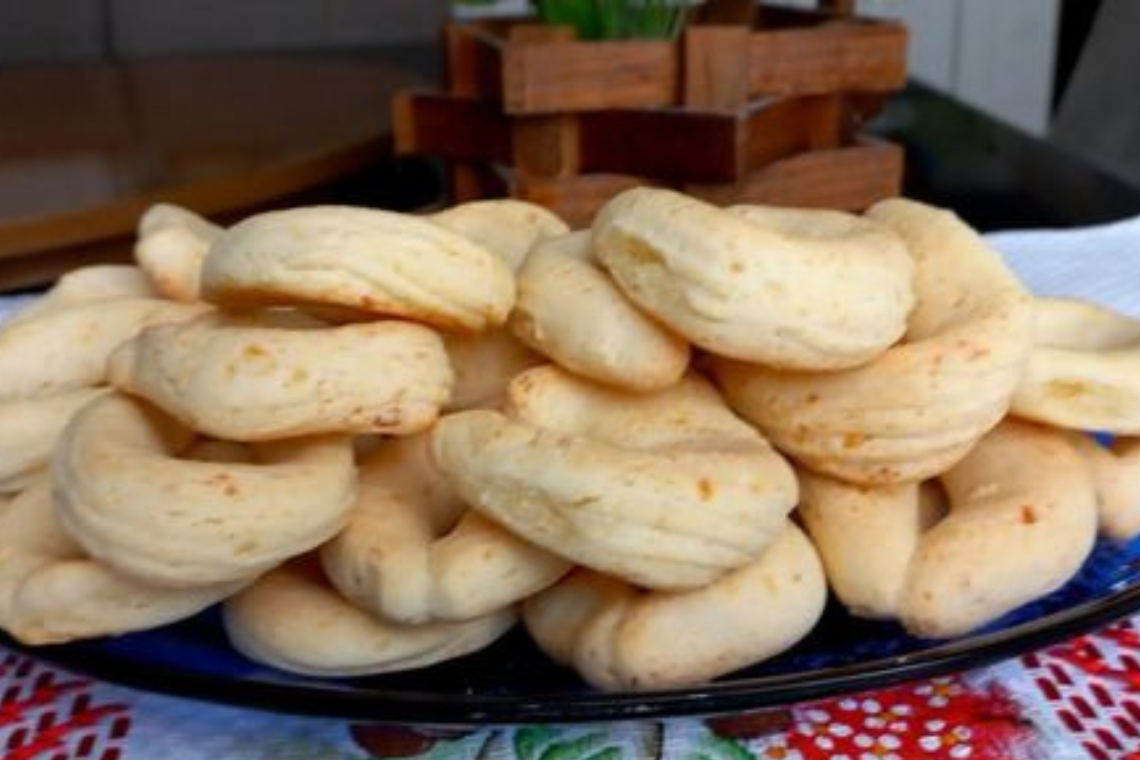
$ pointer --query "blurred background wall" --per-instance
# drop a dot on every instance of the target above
(1011, 58)
(41, 30)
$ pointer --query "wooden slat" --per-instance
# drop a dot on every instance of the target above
(785, 126)
(458, 128)
(584, 76)
(715, 74)
(474, 61)
(835, 58)
(547, 145)
(850, 178)
(523, 33)
(536, 70)
(575, 199)
(843, 7)
(667, 144)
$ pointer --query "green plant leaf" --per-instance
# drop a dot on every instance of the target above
(580, 14)
(616, 19)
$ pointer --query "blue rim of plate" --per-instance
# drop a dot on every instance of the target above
(1106, 590)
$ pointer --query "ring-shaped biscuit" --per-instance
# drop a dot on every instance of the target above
(29, 430)
(921, 406)
(506, 227)
(66, 349)
(284, 375)
(795, 289)
(620, 637)
(413, 552)
(484, 365)
(569, 309)
(293, 620)
(98, 282)
(1084, 370)
(372, 261)
(51, 592)
(1116, 470)
(125, 495)
(1022, 518)
(172, 243)
(668, 490)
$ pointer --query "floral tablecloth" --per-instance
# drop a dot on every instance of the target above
(1077, 700)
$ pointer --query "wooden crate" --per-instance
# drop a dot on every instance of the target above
(725, 112)
(849, 177)
(534, 69)
(732, 143)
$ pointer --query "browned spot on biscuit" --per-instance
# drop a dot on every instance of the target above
(705, 488)
(1066, 388)
(1028, 515)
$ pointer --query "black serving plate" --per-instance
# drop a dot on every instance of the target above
(512, 682)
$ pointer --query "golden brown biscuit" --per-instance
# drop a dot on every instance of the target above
(483, 365)
(795, 289)
(413, 552)
(375, 262)
(292, 619)
(1084, 370)
(28, 432)
(171, 246)
(283, 375)
(51, 592)
(667, 490)
(619, 637)
(1021, 520)
(128, 497)
(920, 407)
(506, 227)
(66, 349)
(98, 282)
(569, 309)
(1116, 471)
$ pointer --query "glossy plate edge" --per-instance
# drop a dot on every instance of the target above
(719, 697)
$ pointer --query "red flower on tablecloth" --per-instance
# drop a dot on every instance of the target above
(1092, 684)
(49, 715)
(940, 719)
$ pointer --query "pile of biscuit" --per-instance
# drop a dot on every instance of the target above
(381, 440)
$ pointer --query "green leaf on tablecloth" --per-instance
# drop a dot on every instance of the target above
(530, 739)
(578, 748)
(713, 747)
(619, 741)
(609, 753)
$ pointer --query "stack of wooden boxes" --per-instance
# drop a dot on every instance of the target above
(770, 113)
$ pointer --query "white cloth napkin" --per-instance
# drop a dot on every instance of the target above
(1100, 263)
(10, 304)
